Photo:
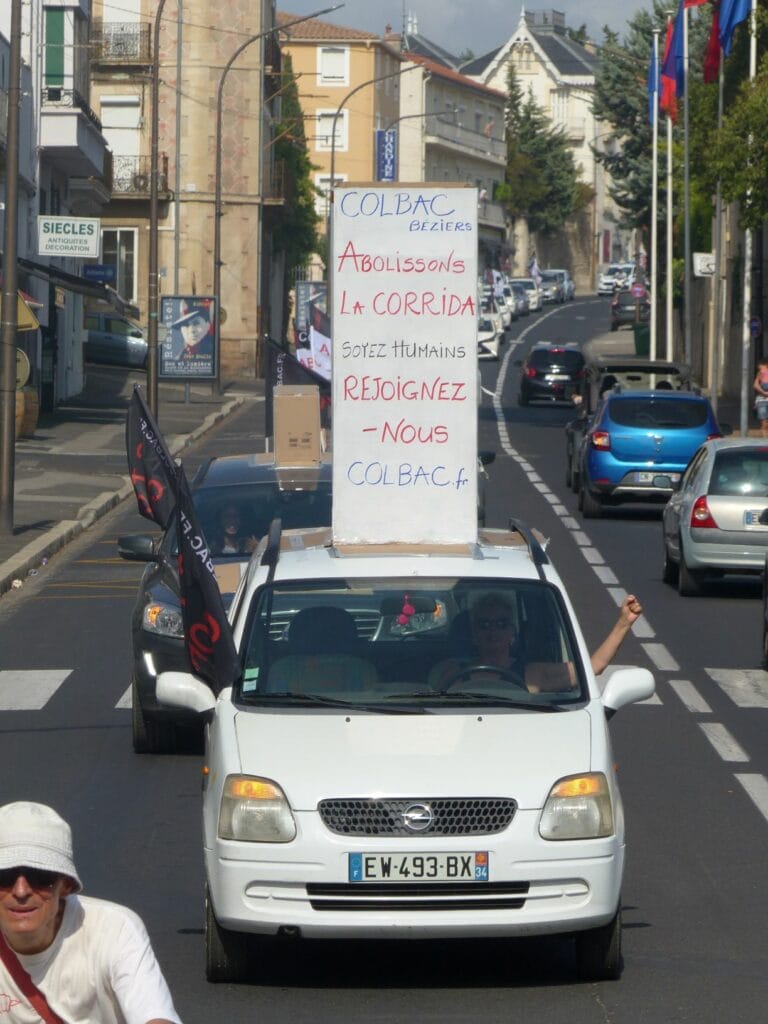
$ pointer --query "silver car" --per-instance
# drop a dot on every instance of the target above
(717, 520)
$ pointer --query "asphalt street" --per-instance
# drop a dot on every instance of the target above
(692, 767)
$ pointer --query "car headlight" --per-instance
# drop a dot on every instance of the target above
(578, 807)
(255, 810)
(163, 619)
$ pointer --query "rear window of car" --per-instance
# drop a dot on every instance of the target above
(666, 413)
(568, 358)
(744, 471)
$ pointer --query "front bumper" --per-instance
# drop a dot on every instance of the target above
(535, 887)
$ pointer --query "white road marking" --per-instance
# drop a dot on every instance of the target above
(756, 788)
(570, 523)
(125, 701)
(661, 657)
(605, 575)
(593, 556)
(581, 538)
(29, 689)
(690, 696)
(725, 745)
(747, 687)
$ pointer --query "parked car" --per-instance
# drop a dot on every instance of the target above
(114, 340)
(717, 520)
(521, 298)
(487, 339)
(260, 491)
(489, 309)
(552, 287)
(616, 275)
(371, 776)
(639, 444)
(532, 291)
(550, 372)
(569, 288)
(602, 373)
(628, 309)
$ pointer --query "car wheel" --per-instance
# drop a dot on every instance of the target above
(591, 504)
(568, 468)
(575, 480)
(669, 570)
(226, 953)
(614, 327)
(149, 737)
(689, 581)
(598, 952)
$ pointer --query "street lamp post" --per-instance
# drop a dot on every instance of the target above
(218, 205)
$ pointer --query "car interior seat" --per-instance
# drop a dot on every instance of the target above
(324, 653)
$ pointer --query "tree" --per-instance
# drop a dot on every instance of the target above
(541, 180)
(296, 233)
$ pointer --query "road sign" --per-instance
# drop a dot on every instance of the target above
(638, 291)
(755, 326)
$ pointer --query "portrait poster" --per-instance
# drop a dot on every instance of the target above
(188, 346)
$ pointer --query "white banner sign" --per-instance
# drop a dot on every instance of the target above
(404, 381)
(68, 236)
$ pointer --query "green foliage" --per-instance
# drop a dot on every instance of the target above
(296, 233)
(578, 35)
(541, 181)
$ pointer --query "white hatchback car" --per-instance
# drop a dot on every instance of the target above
(417, 748)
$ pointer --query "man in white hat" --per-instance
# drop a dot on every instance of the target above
(63, 957)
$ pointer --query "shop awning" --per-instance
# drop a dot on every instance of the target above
(75, 283)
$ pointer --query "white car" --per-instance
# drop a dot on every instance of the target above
(532, 290)
(370, 776)
(616, 275)
(487, 339)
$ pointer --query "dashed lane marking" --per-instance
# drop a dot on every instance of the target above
(690, 696)
(29, 689)
(756, 788)
(723, 742)
(661, 657)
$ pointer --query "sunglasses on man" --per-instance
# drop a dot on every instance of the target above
(501, 623)
(36, 878)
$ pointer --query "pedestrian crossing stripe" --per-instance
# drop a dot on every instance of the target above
(29, 690)
(747, 687)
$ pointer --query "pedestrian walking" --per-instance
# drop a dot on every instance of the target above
(66, 958)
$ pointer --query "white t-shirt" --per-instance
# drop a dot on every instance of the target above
(100, 969)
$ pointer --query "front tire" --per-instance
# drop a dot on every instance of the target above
(598, 952)
(522, 399)
(227, 954)
(149, 737)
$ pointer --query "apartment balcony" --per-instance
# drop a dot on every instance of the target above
(448, 134)
(89, 195)
(575, 128)
(120, 44)
(491, 215)
(70, 133)
(273, 187)
(131, 177)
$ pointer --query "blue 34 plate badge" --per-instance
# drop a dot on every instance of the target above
(418, 867)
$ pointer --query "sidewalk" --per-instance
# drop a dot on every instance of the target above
(73, 469)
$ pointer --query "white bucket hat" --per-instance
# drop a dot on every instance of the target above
(34, 836)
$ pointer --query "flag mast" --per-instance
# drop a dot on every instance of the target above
(654, 190)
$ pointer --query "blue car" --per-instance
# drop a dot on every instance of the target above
(638, 445)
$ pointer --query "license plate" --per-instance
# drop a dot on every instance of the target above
(752, 518)
(648, 478)
(418, 867)
(557, 376)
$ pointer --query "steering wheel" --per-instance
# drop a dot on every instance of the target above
(467, 671)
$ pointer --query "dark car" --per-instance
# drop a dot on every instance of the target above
(602, 373)
(550, 372)
(258, 491)
(627, 309)
(639, 444)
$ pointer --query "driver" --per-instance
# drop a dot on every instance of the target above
(493, 644)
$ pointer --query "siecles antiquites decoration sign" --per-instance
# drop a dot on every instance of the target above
(404, 377)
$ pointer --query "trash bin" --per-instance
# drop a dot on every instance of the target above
(642, 334)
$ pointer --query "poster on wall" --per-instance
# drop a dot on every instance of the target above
(404, 382)
(187, 336)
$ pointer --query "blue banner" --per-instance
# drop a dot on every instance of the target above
(386, 155)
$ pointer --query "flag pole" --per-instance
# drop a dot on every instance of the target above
(746, 338)
(654, 191)
(686, 201)
(670, 248)
(718, 277)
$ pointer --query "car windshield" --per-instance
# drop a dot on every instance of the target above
(410, 643)
(233, 518)
(669, 413)
(742, 471)
(548, 275)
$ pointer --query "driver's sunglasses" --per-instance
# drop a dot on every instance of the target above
(36, 878)
(500, 623)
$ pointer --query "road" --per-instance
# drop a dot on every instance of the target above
(693, 766)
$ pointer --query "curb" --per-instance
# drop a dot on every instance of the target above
(38, 551)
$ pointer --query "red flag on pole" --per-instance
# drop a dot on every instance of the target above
(712, 55)
(668, 95)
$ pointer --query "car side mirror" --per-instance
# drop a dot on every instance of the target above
(627, 686)
(183, 690)
(139, 547)
(487, 457)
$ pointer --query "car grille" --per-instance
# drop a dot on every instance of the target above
(451, 816)
(418, 895)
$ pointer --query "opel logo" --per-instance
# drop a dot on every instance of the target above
(418, 817)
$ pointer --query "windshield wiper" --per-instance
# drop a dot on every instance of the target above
(336, 702)
(488, 698)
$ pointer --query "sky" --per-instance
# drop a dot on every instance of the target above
(455, 25)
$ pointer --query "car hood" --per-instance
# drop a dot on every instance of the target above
(324, 754)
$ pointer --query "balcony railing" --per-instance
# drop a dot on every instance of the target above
(122, 43)
(448, 131)
(131, 176)
(56, 96)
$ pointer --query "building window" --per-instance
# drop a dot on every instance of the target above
(333, 65)
(324, 140)
(118, 249)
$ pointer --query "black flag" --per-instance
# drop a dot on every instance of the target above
(208, 636)
(153, 471)
(284, 368)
